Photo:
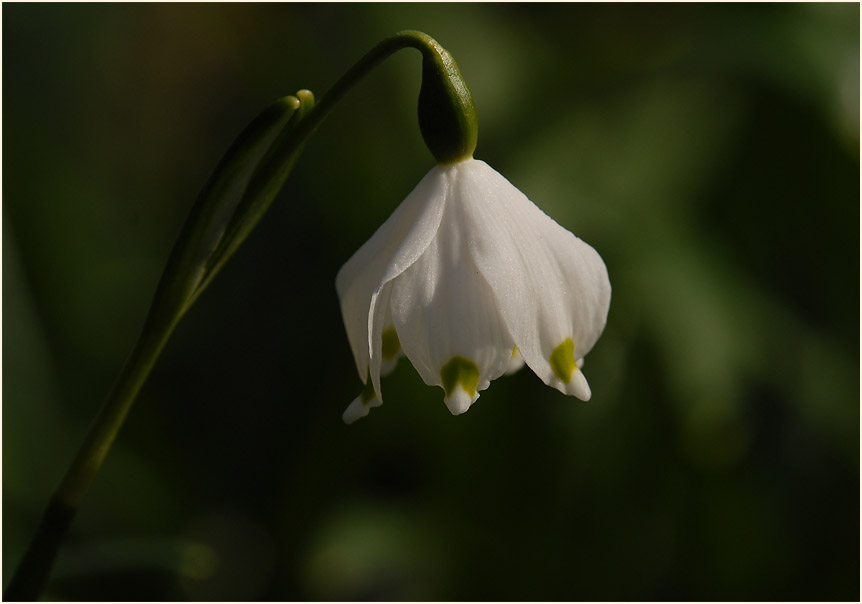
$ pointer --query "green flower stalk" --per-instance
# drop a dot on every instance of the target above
(233, 200)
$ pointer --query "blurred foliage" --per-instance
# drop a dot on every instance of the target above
(709, 152)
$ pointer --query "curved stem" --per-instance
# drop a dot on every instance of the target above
(433, 54)
(216, 226)
(403, 39)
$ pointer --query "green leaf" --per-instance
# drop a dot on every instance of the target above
(210, 233)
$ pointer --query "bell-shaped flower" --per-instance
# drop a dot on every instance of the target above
(470, 280)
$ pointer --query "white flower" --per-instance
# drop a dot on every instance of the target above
(466, 278)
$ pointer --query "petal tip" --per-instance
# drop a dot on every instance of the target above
(515, 363)
(578, 386)
(459, 401)
(388, 366)
(358, 409)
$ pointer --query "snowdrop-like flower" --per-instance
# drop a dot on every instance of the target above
(470, 280)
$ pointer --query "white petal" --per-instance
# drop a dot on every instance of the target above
(377, 313)
(390, 345)
(550, 286)
(394, 246)
(577, 386)
(358, 409)
(459, 400)
(443, 309)
(515, 363)
(387, 366)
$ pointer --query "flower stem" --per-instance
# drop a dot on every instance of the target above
(33, 571)
(232, 202)
(447, 116)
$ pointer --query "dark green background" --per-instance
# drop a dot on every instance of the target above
(709, 152)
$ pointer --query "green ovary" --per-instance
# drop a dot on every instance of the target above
(563, 360)
(460, 371)
(391, 344)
